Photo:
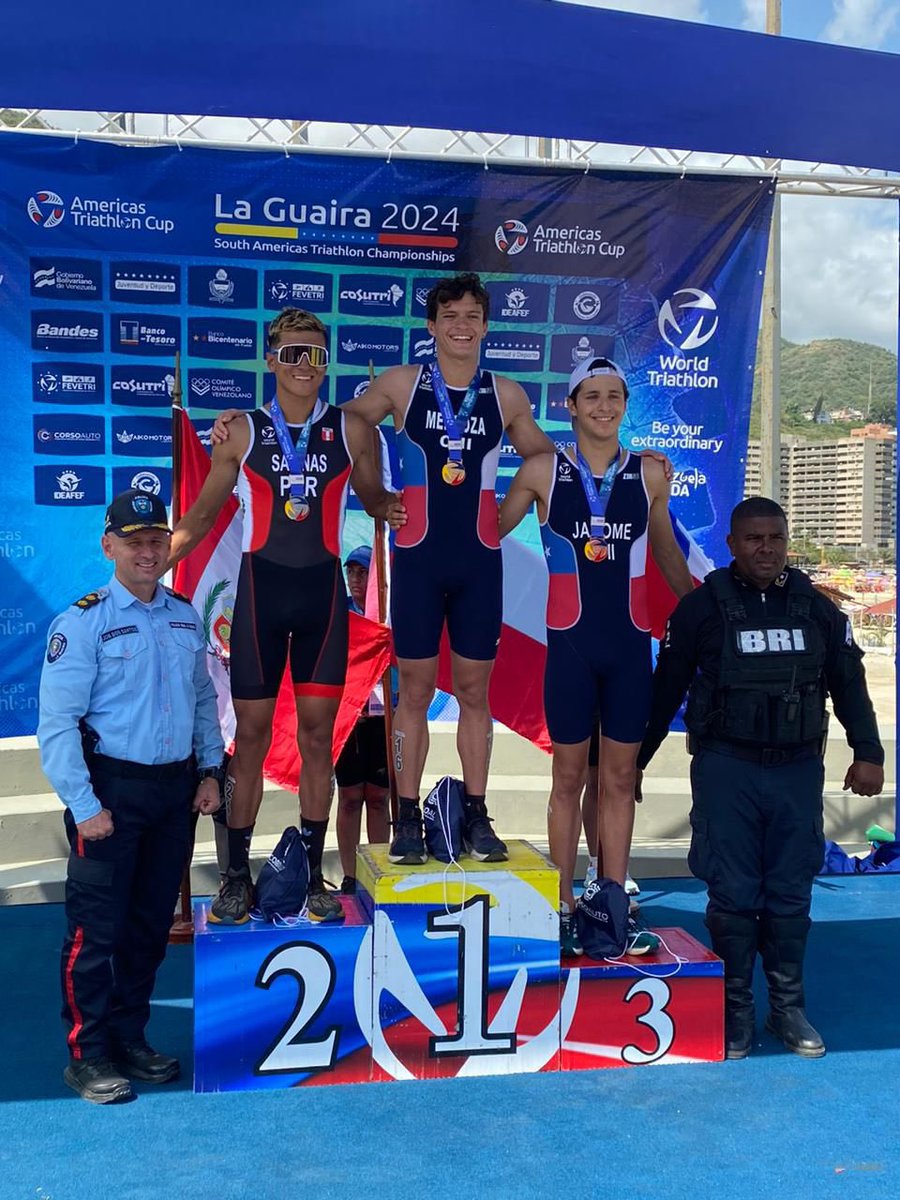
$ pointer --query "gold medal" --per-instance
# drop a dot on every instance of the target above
(595, 549)
(296, 510)
(453, 473)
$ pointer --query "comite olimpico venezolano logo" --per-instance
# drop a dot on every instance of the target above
(511, 237)
(688, 320)
(46, 209)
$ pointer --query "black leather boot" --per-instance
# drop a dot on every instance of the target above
(783, 947)
(97, 1080)
(735, 939)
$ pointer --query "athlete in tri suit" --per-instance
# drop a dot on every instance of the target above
(292, 462)
(450, 418)
(598, 505)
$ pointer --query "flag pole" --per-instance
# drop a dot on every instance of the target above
(382, 587)
(182, 928)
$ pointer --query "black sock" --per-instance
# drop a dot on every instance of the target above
(239, 847)
(314, 839)
(408, 809)
(474, 805)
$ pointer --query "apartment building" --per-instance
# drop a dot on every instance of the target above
(840, 492)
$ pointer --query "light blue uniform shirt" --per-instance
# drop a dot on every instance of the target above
(137, 674)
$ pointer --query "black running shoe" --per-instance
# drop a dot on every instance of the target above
(138, 1060)
(322, 904)
(480, 840)
(232, 905)
(97, 1080)
(408, 846)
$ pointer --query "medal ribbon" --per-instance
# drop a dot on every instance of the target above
(295, 456)
(598, 500)
(454, 423)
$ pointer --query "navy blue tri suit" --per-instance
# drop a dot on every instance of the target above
(447, 557)
(598, 641)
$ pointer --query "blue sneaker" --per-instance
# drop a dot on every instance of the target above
(480, 840)
(408, 846)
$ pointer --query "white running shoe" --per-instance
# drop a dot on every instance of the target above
(631, 887)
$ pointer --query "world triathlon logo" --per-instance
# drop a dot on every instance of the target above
(687, 324)
(511, 237)
(46, 209)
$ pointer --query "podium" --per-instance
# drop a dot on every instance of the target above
(439, 971)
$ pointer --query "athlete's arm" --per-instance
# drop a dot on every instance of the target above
(383, 397)
(519, 422)
(530, 484)
(200, 517)
(666, 550)
(220, 431)
(365, 477)
(658, 456)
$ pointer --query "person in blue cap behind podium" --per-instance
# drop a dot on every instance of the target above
(129, 739)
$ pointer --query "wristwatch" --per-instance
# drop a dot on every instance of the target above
(215, 773)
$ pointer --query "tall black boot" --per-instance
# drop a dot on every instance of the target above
(735, 938)
(783, 946)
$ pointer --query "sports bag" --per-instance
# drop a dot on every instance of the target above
(443, 814)
(601, 918)
(284, 879)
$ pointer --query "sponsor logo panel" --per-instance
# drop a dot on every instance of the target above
(144, 333)
(157, 481)
(372, 295)
(533, 392)
(142, 437)
(222, 287)
(66, 279)
(223, 338)
(66, 330)
(211, 388)
(140, 386)
(67, 485)
(421, 346)
(145, 282)
(358, 344)
(67, 383)
(557, 409)
(512, 301)
(596, 303)
(513, 351)
(68, 433)
(348, 387)
(298, 289)
(559, 240)
(420, 289)
(567, 350)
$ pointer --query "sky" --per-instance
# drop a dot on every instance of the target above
(839, 255)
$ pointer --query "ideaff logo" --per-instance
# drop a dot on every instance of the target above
(65, 278)
(142, 437)
(519, 301)
(210, 388)
(568, 350)
(152, 334)
(145, 282)
(367, 294)
(66, 486)
(67, 433)
(516, 351)
(138, 386)
(208, 338)
(305, 289)
(687, 324)
(67, 383)
(360, 343)
(511, 237)
(222, 287)
(46, 209)
(156, 481)
(69, 331)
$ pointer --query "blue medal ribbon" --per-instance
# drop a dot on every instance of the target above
(454, 423)
(598, 499)
(295, 455)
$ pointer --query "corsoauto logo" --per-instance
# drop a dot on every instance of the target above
(46, 209)
(511, 237)
(687, 324)
(54, 432)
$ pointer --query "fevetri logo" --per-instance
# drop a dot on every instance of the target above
(689, 323)
(46, 209)
(511, 237)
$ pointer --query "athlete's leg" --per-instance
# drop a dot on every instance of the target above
(349, 823)
(315, 731)
(617, 776)
(590, 801)
(474, 732)
(563, 815)
(409, 747)
(252, 738)
(378, 822)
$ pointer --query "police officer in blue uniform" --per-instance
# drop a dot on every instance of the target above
(129, 739)
(757, 648)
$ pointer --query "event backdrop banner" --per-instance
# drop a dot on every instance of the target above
(112, 258)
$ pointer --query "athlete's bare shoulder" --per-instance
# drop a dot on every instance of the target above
(238, 441)
(512, 397)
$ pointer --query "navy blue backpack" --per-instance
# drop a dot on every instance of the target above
(601, 918)
(284, 879)
(443, 814)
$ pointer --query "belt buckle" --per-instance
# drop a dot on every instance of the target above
(773, 757)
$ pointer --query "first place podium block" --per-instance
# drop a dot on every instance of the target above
(465, 976)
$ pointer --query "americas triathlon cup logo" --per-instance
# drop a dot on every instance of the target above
(511, 237)
(680, 332)
(46, 209)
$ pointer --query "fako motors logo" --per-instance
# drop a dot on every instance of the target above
(46, 209)
(143, 437)
(511, 237)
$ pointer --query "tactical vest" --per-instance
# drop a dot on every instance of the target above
(770, 689)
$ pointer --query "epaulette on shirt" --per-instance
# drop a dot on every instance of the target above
(91, 599)
(176, 595)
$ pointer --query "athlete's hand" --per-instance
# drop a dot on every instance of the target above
(395, 511)
(207, 798)
(220, 428)
(668, 469)
(96, 828)
(864, 779)
(638, 786)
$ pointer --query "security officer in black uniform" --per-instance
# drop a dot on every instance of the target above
(129, 738)
(758, 648)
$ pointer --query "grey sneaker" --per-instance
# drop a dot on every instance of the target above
(232, 905)
(322, 904)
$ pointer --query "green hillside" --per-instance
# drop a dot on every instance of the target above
(836, 371)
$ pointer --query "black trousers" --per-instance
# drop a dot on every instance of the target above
(756, 833)
(120, 897)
